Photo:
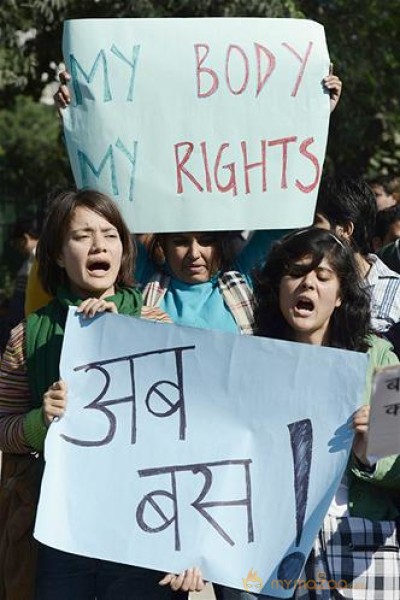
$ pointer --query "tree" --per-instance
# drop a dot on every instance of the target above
(362, 37)
(364, 43)
(32, 160)
(32, 32)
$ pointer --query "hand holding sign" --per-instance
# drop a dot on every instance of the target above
(384, 431)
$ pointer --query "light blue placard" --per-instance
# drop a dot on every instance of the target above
(199, 124)
(247, 438)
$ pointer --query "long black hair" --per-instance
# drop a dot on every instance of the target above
(350, 322)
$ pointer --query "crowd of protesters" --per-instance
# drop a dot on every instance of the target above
(322, 285)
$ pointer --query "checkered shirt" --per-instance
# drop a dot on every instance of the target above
(233, 286)
(384, 287)
(355, 559)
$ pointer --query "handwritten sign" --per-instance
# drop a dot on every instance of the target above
(184, 447)
(199, 124)
(384, 431)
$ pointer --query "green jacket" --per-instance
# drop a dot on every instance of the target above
(376, 495)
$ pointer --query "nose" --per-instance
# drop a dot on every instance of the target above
(194, 249)
(308, 281)
(98, 243)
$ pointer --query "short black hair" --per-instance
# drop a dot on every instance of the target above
(347, 200)
(25, 225)
(384, 181)
(55, 228)
(384, 220)
(350, 322)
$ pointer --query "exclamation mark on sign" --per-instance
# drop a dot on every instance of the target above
(301, 440)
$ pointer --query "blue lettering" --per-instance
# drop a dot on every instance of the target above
(85, 164)
(135, 56)
(132, 160)
(75, 67)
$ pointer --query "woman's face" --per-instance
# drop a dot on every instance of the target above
(307, 302)
(91, 254)
(192, 257)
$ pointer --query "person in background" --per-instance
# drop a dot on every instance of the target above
(384, 188)
(86, 259)
(24, 238)
(386, 240)
(194, 278)
(387, 228)
(347, 207)
(310, 291)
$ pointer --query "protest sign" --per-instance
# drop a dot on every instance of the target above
(184, 447)
(384, 431)
(199, 124)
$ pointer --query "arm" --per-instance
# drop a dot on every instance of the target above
(386, 472)
(334, 86)
(385, 475)
(62, 97)
(145, 268)
(15, 398)
(254, 253)
(23, 428)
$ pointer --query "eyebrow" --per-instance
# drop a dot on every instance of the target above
(90, 229)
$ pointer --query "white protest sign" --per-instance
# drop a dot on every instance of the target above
(199, 124)
(384, 429)
(182, 447)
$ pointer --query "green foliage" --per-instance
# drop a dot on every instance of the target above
(32, 157)
(32, 33)
(364, 43)
(363, 39)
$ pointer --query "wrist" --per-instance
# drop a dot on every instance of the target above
(362, 463)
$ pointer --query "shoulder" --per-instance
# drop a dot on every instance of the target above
(380, 269)
(390, 255)
(14, 354)
(381, 352)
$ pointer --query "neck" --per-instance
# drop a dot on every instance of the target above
(315, 338)
(363, 264)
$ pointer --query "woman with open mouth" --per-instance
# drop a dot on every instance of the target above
(86, 259)
(310, 291)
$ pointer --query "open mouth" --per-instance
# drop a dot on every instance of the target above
(99, 267)
(304, 305)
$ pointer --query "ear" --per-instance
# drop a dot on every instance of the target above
(338, 302)
(345, 231)
(60, 262)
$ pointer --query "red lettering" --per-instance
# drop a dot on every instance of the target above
(200, 69)
(247, 166)
(246, 69)
(180, 168)
(203, 147)
(214, 173)
(303, 62)
(303, 150)
(284, 142)
(231, 185)
(261, 80)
